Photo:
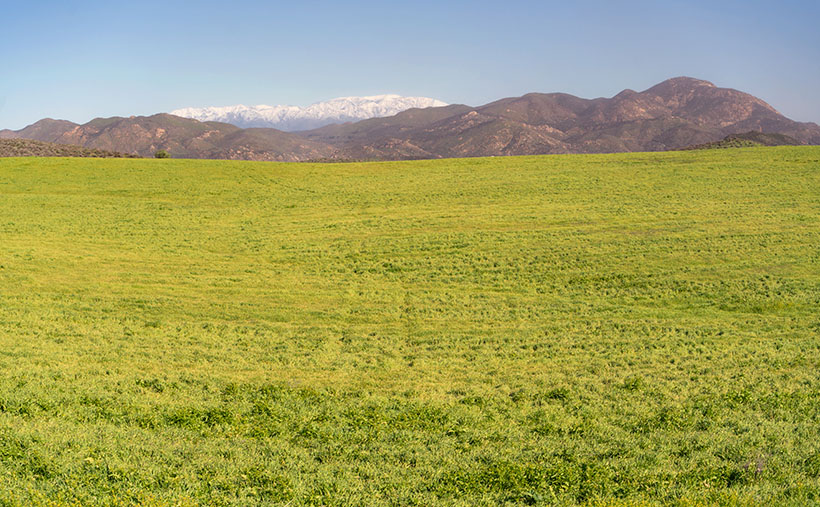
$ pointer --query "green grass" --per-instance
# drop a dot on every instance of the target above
(591, 329)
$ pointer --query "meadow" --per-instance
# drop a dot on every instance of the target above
(629, 329)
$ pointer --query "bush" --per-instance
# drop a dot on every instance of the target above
(162, 154)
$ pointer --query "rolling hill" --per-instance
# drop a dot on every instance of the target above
(674, 114)
(182, 137)
(46, 130)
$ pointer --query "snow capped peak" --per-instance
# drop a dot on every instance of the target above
(290, 118)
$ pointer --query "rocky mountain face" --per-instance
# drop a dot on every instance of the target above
(293, 118)
(674, 114)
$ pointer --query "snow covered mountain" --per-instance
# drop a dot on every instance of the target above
(292, 118)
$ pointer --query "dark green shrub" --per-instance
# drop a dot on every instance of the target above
(162, 154)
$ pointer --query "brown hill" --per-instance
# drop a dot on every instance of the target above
(31, 148)
(46, 130)
(674, 114)
(181, 137)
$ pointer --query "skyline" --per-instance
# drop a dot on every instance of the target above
(91, 59)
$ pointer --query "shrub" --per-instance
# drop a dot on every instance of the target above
(162, 154)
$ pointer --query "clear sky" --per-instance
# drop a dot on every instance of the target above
(78, 60)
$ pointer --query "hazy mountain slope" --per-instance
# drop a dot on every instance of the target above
(145, 135)
(400, 124)
(270, 145)
(558, 110)
(292, 118)
(477, 134)
(183, 137)
(46, 130)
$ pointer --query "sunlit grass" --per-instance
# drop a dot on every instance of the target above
(603, 329)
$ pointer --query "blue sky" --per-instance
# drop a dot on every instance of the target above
(80, 60)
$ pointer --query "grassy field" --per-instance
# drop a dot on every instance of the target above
(593, 329)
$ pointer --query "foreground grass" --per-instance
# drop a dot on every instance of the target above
(620, 329)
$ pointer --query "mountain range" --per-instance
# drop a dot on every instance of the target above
(292, 118)
(676, 113)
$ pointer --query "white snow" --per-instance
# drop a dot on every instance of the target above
(290, 118)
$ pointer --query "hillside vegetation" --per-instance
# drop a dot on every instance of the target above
(29, 148)
(747, 140)
(632, 329)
